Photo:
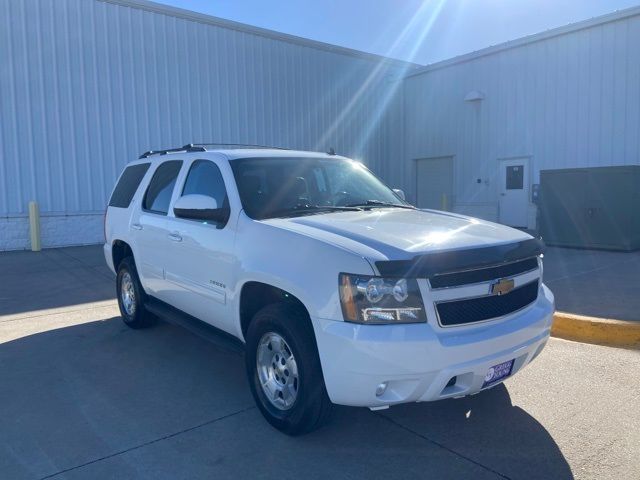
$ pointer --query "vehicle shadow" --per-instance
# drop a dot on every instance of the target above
(101, 400)
(53, 278)
(489, 429)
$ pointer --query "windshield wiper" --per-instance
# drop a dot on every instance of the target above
(378, 203)
(310, 209)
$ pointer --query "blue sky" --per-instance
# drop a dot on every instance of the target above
(424, 31)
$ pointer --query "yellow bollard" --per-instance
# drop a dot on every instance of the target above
(34, 226)
(443, 202)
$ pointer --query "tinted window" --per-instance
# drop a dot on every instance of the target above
(272, 186)
(158, 194)
(127, 185)
(205, 179)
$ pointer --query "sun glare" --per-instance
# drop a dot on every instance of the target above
(380, 83)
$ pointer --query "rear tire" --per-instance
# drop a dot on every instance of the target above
(282, 355)
(131, 296)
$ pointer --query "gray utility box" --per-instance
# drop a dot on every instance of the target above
(591, 207)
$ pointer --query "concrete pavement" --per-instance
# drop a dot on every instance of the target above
(83, 396)
(53, 278)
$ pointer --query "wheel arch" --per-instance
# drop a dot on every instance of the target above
(255, 295)
(119, 251)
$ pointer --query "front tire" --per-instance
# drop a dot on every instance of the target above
(284, 370)
(131, 296)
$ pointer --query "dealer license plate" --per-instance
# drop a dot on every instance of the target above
(497, 373)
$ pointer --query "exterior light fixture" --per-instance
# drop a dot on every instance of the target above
(474, 96)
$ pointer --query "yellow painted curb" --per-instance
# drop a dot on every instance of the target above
(601, 331)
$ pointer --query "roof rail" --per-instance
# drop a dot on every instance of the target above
(186, 148)
(235, 145)
(203, 147)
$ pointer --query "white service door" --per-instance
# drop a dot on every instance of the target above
(514, 192)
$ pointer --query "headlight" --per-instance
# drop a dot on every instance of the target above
(541, 266)
(377, 300)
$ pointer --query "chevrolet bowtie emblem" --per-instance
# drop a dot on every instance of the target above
(502, 286)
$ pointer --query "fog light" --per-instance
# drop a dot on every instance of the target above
(380, 389)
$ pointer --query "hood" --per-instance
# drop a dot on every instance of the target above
(401, 233)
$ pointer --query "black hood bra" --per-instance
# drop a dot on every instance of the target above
(438, 263)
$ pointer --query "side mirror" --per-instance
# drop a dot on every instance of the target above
(200, 207)
(399, 192)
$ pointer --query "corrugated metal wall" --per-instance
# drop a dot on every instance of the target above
(572, 100)
(87, 85)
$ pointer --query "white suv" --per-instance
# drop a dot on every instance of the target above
(340, 291)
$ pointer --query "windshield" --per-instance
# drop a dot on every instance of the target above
(273, 187)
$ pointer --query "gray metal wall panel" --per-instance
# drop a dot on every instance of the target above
(571, 100)
(87, 85)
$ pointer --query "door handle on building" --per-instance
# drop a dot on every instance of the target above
(175, 237)
(136, 226)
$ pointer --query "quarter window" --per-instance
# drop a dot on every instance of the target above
(158, 194)
(205, 178)
(127, 185)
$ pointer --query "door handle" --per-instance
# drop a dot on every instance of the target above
(136, 226)
(175, 237)
(502, 194)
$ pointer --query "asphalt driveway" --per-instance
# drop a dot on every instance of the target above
(83, 396)
(594, 282)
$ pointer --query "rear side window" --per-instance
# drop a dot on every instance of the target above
(158, 194)
(127, 185)
(205, 178)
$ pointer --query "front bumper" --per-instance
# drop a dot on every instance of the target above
(417, 361)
